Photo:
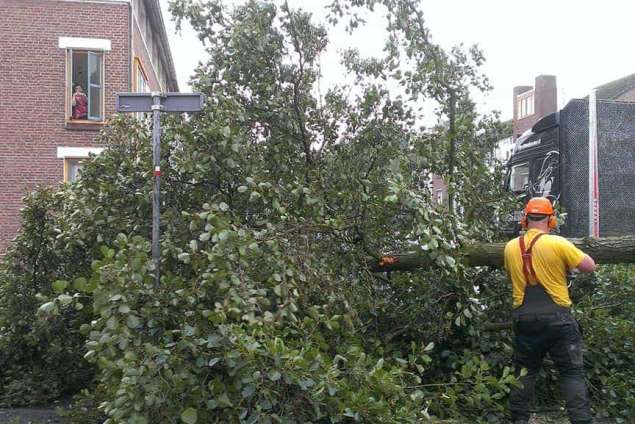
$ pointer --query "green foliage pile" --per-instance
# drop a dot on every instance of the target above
(274, 198)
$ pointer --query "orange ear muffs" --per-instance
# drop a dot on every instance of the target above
(553, 222)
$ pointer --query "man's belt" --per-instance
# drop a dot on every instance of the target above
(530, 317)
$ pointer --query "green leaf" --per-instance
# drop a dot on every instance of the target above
(80, 284)
(107, 252)
(242, 189)
(189, 416)
(224, 400)
(133, 321)
(274, 375)
(223, 206)
(59, 286)
(47, 308)
(65, 299)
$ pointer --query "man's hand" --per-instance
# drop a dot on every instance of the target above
(587, 264)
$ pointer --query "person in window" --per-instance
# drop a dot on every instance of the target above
(79, 102)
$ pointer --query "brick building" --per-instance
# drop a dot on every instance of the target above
(62, 61)
(532, 103)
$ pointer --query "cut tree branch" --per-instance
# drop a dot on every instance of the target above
(607, 250)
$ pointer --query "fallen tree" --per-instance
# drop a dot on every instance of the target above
(606, 250)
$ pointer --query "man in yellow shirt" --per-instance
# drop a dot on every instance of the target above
(537, 264)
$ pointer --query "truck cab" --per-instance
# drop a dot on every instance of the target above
(552, 160)
(533, 168)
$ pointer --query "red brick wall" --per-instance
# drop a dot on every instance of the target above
(545, 103)
(32, 89)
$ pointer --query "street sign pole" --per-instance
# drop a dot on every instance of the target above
(156, 188)
(594, 193)
(156, 103)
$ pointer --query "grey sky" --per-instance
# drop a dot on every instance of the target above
(584, 43)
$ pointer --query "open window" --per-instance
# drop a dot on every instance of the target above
(85, 85)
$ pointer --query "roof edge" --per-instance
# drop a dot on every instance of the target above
(157, 21)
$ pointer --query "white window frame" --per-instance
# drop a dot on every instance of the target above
(72, 154)
(525, 104)
(512, 172)
(94, 47)
(439, 196)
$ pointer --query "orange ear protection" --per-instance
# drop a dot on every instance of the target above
(539, 206)
(553, 222)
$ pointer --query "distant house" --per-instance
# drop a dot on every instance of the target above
(531, 103)
(622, 89)
(62, 61)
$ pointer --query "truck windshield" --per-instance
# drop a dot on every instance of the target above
(519, 177)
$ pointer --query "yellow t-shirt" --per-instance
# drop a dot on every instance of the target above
(552, 256)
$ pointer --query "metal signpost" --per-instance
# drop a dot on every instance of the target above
(156, 103)
(594, 192)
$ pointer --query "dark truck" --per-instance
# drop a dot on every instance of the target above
(551, 160)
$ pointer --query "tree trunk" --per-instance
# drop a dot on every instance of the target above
(607, 250)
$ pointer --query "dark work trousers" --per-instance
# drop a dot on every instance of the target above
(559, 335)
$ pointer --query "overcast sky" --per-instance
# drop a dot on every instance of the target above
(584, 43)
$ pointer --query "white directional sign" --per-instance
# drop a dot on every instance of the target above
(170, 102)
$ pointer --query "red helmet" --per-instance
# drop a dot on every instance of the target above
(539, 206)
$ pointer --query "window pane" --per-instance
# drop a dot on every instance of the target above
(439, 196)
(79, 85)
(95, 68)
(531, 105)
(80, 69)
(519, 177)
(73, 169)
(95, 103)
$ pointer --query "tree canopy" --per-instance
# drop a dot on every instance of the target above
(275, 195)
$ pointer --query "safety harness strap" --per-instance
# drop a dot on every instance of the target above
(528, 268)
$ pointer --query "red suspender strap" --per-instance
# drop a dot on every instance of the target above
(528, 268)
